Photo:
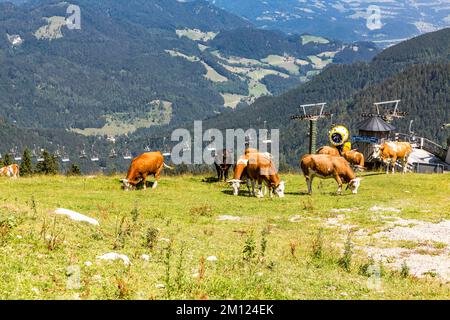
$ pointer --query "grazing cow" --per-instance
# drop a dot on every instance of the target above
(332, 151)
(151, 163)
(240, 174)
(390, 152)
(11, 171)
(325, 167)
(223, 162)
(259, 167)
(355, 158)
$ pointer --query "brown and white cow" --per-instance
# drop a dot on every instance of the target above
(258, 167)
(325, 167)
(331, 151)
(391, 151)
(11, 171)
(355, 158)
(150, 163)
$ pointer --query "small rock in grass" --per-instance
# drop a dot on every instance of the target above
(341, 210)
(160, 286)
(228, 218)
(296, 218)
(212, 258)
(382, 209)
(76, 216)
(97, 278)
(19, 237)
(35, 290)
(145, 257)
(88, 263)
(115, 256)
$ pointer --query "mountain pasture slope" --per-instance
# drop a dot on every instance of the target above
(212, 245)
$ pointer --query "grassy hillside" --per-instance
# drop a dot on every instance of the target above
(275, 251)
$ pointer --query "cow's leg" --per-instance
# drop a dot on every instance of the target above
(394, 162)
(144, 181)
(157, 175)
(339, 182)
(260, 186)
(226, 174)
(309, 180)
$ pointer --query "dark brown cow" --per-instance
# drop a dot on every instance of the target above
(151, 163)
(223, 163)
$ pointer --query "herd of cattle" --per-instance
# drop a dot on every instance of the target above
(257, 168)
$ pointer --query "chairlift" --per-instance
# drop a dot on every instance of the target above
(83, 154)
(16, 154)
(63, 155)
(94, 157)
(40, 157)
(127, 155)
(113, 154)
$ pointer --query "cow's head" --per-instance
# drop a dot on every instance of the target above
(126, 185)
(354, 185)
(280, 189)
(377, 152)
(236, 184)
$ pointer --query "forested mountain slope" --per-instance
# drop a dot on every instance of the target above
(136, 64)
(416, 71)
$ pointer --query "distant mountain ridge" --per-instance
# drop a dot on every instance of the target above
(345, 20)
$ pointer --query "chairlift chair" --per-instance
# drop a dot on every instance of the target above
(40, 158)
(16, 154)
(83, 154)
(113, 154)
(127, 155)
(95, 158)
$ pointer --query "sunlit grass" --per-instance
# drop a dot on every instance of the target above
(184, 210)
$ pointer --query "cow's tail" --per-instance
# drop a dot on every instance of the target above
(168, 167)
